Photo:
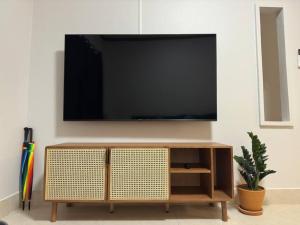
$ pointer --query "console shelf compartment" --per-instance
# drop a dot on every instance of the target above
(185, 190)
(223, 176)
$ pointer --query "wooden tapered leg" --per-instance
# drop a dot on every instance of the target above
(167, 207)
(54, 212)
(69, 204)
(224, 211)
(111, 208)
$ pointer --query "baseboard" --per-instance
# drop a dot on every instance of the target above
(279, 196)
(282, 196)
(8, 204)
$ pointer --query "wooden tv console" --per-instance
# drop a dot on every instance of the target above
(114, 173)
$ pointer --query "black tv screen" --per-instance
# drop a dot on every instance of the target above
(140, 77)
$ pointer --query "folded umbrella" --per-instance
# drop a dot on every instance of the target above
(26, 171)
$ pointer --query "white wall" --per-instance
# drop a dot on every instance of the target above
(15, 26)
(234, 23)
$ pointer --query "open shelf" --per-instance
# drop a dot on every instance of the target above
(191, 174)
(220, 195)
(190, 161)
(182, 190)
(223, 176)
(201, 175)
(195, 158)
(191, 170)
(176, 198)
(188, 194)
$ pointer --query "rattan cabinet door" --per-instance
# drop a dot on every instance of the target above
(75, 174)
(139, 174)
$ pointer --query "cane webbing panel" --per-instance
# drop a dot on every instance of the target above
(139, 174)
(75, 174)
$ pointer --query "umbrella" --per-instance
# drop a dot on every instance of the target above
(26, 171)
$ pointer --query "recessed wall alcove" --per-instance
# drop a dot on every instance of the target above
(274, 93)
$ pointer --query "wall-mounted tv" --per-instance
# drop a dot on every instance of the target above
(140, 77)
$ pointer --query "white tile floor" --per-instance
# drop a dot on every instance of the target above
(153, 215)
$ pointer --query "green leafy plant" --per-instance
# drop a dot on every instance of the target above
(253, 167)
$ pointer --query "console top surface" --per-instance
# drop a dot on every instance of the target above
(143, 144)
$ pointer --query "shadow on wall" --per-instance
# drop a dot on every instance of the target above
(125, 129)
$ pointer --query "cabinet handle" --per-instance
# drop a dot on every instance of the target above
(107, 157)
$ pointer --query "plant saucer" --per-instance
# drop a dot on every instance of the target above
(250, 213)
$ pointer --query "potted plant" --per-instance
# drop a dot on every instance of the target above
(253, 169)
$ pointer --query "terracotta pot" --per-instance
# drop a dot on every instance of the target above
(251, 200)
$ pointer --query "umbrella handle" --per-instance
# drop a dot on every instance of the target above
(25, 133)
(30, 134)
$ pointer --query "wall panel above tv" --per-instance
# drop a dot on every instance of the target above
(140, 77)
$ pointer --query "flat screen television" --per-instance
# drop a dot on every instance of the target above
(140, 77)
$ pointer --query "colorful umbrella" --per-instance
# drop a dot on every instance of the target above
(26, 171)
